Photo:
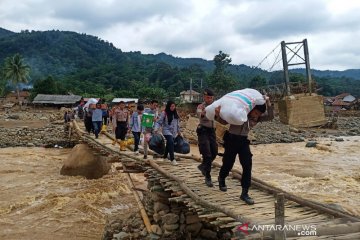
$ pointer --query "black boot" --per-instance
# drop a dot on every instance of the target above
(245, 197)
(222, 185)
(208, 181)
(201, 167)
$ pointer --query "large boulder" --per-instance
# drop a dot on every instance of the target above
(82, 161)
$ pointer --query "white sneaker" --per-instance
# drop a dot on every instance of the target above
(174, 162)
(137, 152)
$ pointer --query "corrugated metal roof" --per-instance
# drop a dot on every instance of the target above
(116, 100)
(56, 99)
(349, 98)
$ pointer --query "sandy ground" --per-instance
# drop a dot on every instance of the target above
(19, 123)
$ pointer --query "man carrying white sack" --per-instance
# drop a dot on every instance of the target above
(236, 139)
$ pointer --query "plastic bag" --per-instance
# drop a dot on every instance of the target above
(181, 145)
(157, 143)
(236, 105)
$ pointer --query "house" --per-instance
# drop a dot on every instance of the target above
(56, 100)
(13, 97)
(341, 101)
(190, 96)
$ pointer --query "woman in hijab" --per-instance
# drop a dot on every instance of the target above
(170, 122)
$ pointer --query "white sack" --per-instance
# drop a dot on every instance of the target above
(90, 101)
(236, 105)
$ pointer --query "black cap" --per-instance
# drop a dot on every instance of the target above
(208, 92)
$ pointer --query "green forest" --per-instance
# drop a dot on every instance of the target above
(63, 62)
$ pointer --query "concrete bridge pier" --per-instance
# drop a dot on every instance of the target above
(301, 110)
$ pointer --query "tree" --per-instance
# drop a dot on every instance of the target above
(16, 71)
(297, 77)
(219, 80)
(257, 82)
(45, 86)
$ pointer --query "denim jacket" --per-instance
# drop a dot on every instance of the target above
(135, 125)
(172, 129)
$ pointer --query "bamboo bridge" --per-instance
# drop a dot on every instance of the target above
(273, 216)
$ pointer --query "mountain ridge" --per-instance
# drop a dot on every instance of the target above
(81, 58)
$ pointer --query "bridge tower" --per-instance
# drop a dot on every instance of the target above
(300, 110)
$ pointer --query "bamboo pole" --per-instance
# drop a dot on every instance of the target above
(279, 216)
(77, 128)
(140, 205)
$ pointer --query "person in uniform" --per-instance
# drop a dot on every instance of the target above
(236, 143)
(120, 122)
(206, 137)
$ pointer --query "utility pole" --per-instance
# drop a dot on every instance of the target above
(190, 89)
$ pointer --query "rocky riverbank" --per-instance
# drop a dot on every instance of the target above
(34, 129)
(277, 132)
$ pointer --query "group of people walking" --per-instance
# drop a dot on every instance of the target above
(124, 122)
(235, 139)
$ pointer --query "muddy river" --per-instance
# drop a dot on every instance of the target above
(36, 202)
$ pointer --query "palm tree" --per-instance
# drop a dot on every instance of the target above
(16, 71)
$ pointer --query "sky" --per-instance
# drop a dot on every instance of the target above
(250, 31)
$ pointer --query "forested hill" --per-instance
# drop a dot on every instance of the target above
(349, 73)
(5, 33)
(87, 65)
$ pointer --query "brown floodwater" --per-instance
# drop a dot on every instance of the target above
(36, 202)
(329, 173)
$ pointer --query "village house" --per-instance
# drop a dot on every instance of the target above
(342, 101)
(13, 97)
(190, 96)
(56, 100)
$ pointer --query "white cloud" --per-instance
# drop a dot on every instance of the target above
(246, 29)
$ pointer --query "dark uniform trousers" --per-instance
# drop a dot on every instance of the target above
(207, 146)
(236, 144)
(121, 130)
